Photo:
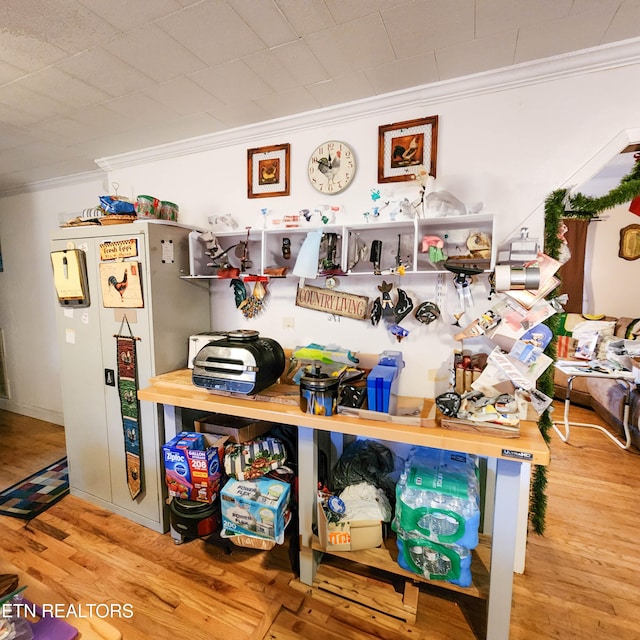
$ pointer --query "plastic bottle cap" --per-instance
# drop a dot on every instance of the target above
(337, 505)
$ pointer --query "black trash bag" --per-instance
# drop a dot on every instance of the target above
(289, 437)
(365, 461)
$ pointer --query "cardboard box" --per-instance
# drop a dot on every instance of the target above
(255, 507)
(252, 542)
(348, 535)
(238, 429)
(194, 473)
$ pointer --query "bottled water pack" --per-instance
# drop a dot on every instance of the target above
(437, 514)
(434, 561)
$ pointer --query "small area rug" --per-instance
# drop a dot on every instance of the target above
(33, 495)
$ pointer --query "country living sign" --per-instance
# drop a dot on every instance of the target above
(331, 301)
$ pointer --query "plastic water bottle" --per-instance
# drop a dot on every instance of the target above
(437, 506)
(437, 514)
(434, 561)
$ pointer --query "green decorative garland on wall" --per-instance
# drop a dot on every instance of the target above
(558, 205)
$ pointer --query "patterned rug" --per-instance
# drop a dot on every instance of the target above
(35, 494)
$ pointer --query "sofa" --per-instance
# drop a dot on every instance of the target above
(605, 397)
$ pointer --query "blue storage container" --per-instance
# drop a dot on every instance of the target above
(380, 393)
(382, 382)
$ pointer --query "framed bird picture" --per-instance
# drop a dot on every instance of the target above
(268, 171)
(121, 285)
(403, 147)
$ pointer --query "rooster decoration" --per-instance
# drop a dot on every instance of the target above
(406, 155)
(250, 305)
(121, 286)
(330, 166)
(392, 314)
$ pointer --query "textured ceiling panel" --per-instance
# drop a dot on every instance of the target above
(83, 79)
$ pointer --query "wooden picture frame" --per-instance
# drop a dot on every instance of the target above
(268, 171)
(630, 242)
(404, 146)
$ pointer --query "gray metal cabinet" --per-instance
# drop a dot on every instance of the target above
(173, 310)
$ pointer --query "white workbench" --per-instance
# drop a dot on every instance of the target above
(175, 390)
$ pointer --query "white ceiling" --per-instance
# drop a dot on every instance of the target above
(84, 79)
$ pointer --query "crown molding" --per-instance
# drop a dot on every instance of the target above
(618, 54)
(626, 52)
(54, 183)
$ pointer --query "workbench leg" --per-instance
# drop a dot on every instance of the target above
(172, 421)
(523, 513)
(503, 548)
(523, 518)
(489, 496)
(307, 492)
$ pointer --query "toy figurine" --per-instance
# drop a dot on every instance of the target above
(392, 314)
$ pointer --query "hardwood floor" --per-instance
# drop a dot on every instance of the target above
(28, 445)
(581, 580)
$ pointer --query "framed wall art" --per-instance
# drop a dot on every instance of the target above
(268, 171)
(630, 242)
(121, 285)
(404, 146)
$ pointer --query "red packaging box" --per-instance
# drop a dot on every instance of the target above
(194, 474)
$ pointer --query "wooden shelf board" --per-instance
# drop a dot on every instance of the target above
(176, 388)
(385, 557)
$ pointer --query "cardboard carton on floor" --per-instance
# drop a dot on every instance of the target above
(255, 507)
(237, 429)
(348, 535)
(253, 542)
(194, 473)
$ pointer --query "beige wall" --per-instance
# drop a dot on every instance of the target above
(613, 284)
(507, 144)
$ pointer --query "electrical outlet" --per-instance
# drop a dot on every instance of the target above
(288, 323)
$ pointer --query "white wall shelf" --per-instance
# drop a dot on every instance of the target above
(401, 246)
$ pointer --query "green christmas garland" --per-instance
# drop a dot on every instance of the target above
(558, 205)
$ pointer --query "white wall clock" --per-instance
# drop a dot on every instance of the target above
(332, 166)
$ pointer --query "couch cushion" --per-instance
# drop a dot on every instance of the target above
(567, 322)
(579, 392)
(609, 328)
(584, 339)
(628, 328)
(607, 397)
(602, 332)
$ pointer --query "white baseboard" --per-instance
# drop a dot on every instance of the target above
(56, 417)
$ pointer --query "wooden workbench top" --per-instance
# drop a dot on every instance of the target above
(176, 388)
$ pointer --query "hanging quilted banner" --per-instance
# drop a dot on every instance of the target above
(130, 409)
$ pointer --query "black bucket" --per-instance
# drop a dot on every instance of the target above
(194, 519)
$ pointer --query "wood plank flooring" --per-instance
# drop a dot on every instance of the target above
(581, 580)
(27, 445)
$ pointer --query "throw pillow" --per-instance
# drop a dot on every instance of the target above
(603, 330)
(633, 330)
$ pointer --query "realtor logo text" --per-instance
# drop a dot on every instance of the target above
(51, 610)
